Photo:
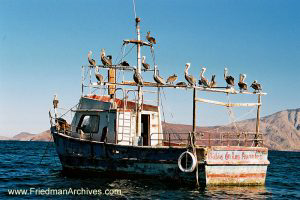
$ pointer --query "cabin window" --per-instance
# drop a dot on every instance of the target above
(89, 123)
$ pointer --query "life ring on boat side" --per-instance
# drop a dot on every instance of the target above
(186, 168)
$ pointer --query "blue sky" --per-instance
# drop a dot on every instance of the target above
(43, 45)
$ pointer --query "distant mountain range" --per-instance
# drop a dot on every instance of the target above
(281, 130)
(25, 136)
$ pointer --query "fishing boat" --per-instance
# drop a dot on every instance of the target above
(116, 130)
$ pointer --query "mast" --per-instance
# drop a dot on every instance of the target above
(139, 65)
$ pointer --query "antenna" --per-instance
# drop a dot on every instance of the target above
(133, 2)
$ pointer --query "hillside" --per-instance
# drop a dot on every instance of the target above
(23, 136)
(281, 130)
(4, 138)
(44, 136)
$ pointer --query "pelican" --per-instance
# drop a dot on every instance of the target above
(190, 79)
(204, 80)
(99, 77)
(242, 84)
(183, 84)
(91, 61)
(145, 65)
(55, 101)
(125, 63)
(158, 79)
(256, 86)
(229, 79)
(172, 79)
(150, 39)
(138, 78)
(105, 60)
(213, 83)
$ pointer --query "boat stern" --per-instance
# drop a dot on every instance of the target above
(234, 165)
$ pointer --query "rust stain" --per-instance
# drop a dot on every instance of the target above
(250, 175)
(237, 148)
(249, 162)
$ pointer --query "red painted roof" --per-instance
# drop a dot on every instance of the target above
(120, 103)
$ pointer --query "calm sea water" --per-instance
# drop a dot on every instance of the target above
(35, 166)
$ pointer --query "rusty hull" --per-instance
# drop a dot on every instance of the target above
(216, 165)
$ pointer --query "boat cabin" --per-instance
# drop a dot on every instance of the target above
(111, 120)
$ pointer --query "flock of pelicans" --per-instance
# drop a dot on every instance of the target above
(192, 81)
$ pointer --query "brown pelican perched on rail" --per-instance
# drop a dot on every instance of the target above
(91, 61)
(145, 65)
(137, 77)
(213, 83)
(256, 86)
(105, 60)
(125, 63)
(98, 76)
(172, 79)
(182, 84)
(190, 79)
(158, 79)
(204, 80)
(229, 79)
(242, 84)
(150, 39)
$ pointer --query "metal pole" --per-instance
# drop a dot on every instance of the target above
(90, 83)
(82, 80)
(257, 120)
(194, 114)
(158, 117)
(139, 60)
(139, 65)
(194, 110)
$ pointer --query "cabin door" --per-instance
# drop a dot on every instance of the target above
(145, 125)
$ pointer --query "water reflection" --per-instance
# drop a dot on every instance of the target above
(235, 192)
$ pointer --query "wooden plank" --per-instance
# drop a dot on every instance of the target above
(226, 104)
(111, 79)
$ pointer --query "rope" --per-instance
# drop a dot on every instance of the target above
(46, 150)
(153, 55)
(126, 53)
(231, 115)
(133, 2)
(171, 113)
(69, 110)
(175, 134)
(121, 53)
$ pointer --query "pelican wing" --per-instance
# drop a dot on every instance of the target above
(159, 79)
(106, 61)
(146, 66)
(138, 78)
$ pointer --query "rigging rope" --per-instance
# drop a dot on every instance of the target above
(133, 1)
(153, 55)
(231, 114)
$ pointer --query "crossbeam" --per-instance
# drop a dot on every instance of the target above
(226, 104)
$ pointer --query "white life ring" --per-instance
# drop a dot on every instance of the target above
(193, 165)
